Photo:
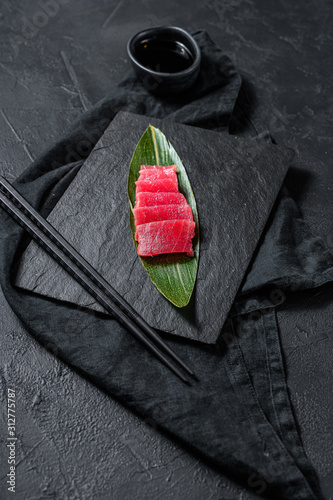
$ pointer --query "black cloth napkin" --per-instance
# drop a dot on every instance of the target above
(239, 415)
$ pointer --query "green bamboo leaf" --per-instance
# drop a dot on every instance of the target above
(173, 275)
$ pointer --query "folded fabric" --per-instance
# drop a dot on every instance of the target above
(239, 415)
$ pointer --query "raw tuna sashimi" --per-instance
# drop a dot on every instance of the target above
(151, 199)
(144, 215)
(158, 167)
(163, 218)
(168, 236)
(152, 174)
(156, 186)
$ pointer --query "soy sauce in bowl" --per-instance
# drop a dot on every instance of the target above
(166, 59)
(165, 56)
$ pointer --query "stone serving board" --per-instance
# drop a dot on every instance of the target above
(235, 182)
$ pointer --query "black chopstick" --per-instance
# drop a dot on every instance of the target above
(86, 275)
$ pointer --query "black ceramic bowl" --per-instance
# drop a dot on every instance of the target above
(166, 59)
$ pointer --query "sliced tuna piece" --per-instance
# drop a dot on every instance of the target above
(152, 174)
(156, 186)
(144, 215)
(168, 236)
(151, 199)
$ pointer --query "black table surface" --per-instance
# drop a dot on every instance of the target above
(57, 58)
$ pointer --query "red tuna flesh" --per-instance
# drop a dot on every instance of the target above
(153, 174)
(169, 236)
(163, 219)
(151, 199)
(144, 215)
(156, 186)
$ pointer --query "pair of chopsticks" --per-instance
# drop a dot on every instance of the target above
(63, 252)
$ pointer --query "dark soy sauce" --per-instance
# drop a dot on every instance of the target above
(165, 56)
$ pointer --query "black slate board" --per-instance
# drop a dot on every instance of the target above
(235, 182)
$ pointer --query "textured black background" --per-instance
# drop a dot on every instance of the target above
(73, 441)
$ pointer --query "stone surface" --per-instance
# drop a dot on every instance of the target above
(235, 182)
(74, 442)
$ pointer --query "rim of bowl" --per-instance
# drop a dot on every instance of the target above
(197, 54)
